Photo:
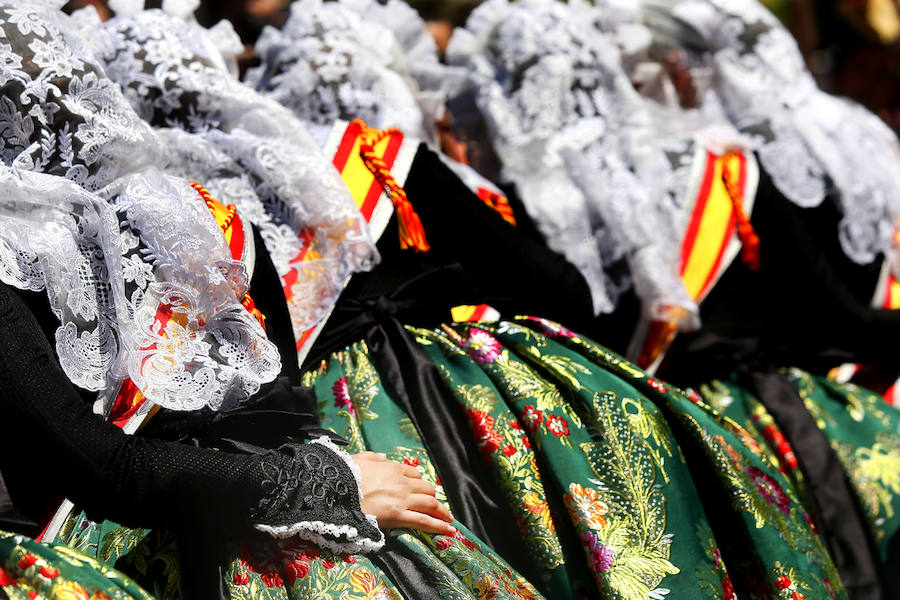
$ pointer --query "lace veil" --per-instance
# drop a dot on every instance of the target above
(331, 62)
(572, 134)
(133, 263)
(249, 150)
(810, 143)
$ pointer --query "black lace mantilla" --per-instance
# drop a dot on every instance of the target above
(311, 492)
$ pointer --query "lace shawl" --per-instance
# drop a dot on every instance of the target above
(807, 140)
(571, 133)
(119, 246)
(330, 62)
(249, 150)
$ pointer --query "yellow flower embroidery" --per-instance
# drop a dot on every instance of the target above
(535, 504)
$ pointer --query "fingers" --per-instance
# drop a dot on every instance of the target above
(416, 520)
(373, 456)
(411, 472)
(429, 505)
(420, 486)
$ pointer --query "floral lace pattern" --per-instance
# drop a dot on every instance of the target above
(138, 273)
(313, 492)
(250, 150)
(571, 133)
(329, 62)
(810, 143)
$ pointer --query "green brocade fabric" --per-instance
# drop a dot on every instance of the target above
(459, 568)
(622, 487)
(864, 432)
(562, 421)
(30, 570)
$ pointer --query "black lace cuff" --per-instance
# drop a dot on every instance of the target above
(312, 491)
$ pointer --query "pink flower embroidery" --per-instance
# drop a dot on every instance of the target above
(342, 395)
(482, 346)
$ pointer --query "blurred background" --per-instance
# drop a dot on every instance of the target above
(851, 46)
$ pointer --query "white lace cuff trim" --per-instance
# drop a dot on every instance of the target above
(315, 532)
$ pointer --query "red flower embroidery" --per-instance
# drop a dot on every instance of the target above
(32, 595)
(27, 561)
(557, 425)
(509, 450)
(515, 424)
(526, 441)
(6, 578)
(485, 435)
(310, 554)
(342, 395)
(532, 417)
(779, 443)
(296, 569)
(693, 396)
(241, 578)
(782, 582)
(328, 564)
(657, 385)
(349, 559)
(727, 589)
(49, 572)
(797, 596)
(272, 579)
(413, 462)
(443, 543)
(464, 540)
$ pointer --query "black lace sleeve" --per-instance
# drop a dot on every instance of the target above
(312, 491)
(52, 445)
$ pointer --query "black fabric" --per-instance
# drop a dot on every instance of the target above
(834, 509)
(808, 305)
(134, 481)
(412, 380)
(310, 483)
(268, 295)
(201, 495)
(507, 269)
(400, 563)
(280, 413)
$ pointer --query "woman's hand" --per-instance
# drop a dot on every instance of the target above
(398, 496)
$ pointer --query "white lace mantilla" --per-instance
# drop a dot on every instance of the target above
(572, 134)
(133, 263)
(812, 144)
(330, 62)
(247, 149)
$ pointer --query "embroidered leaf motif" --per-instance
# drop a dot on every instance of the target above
(523, 382)
(478, 397)
(635, 557)
(875, 471)
(408, 429)
(118, 542)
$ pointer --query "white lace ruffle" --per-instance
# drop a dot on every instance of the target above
(88, 216)
(575, 138)
(330, 62)
(315, 532)
(810, 143)
(253, 151)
